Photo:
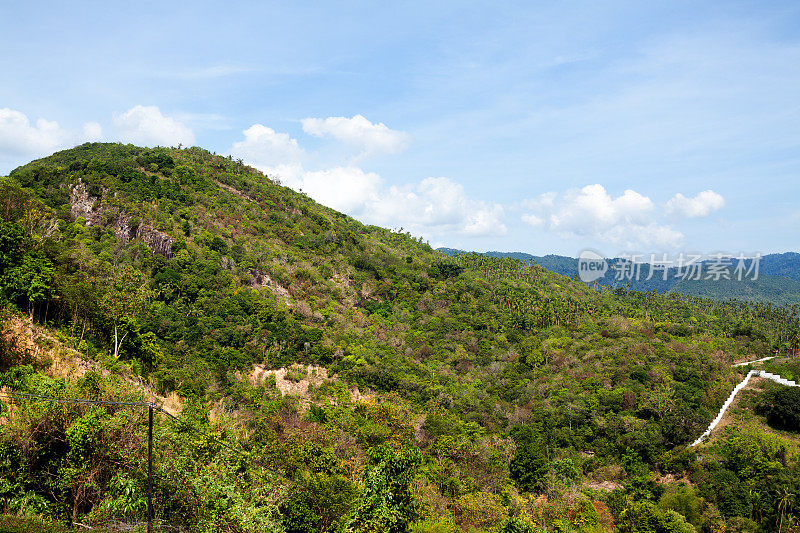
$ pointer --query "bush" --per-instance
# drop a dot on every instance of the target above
(480, 510)
(782, 408)
(518, 525)
(386, 504)
(683, 499)
(645, 517)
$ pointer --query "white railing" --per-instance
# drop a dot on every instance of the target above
(760, 373)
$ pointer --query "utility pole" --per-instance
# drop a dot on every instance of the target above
(150, 469)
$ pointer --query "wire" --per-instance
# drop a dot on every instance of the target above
(11, 395)
(203, 433)
(72, 400)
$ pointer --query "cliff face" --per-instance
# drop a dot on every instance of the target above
(127, 228)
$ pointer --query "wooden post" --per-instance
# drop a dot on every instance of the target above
(150, 469)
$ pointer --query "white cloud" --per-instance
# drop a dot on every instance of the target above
(21, 141)
(92, 132)
(147, 126)
(628, 220)
(265, 148)
(358, 131)
(346, 189)
(18, 137)
(436, 206)
(701, 205)
(430, 208)
(533, 220)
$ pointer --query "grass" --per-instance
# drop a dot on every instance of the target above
(16, 524)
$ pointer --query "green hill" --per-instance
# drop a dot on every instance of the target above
(338, 376)
(778, 280)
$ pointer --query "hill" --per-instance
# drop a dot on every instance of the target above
(335, 376)
(778, 278)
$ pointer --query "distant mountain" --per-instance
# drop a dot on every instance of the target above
(778, 279)
(785, 265)
(355, 376)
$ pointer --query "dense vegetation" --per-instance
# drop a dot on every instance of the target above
(491, 394)
(777, 280)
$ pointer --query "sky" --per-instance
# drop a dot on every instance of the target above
(542, 127)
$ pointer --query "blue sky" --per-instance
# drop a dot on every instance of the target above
(544, 127)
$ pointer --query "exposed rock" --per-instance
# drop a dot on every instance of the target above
(129, 229)
(158, 241)
(277, 289)
(80, 203)
(126, 227)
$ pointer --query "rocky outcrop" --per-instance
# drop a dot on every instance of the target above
(80, 203)
(158, 241)
(126, 227)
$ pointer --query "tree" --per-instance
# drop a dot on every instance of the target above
(782, 408)
(32, 280)
(785, 499)
(124, 297)
(529, 467)
(683, 499)
(387, 504)
(645, 517)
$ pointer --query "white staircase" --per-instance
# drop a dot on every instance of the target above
(777, 379)
(774, 377)
(756, 361)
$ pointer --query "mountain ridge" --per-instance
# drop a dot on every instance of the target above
(493, 395)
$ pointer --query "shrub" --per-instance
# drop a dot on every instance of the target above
(386, 503)
(683, 499)
(480, 510)
(518, 525)
(782, 408)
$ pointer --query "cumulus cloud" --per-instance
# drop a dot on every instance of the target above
(147, 126)
(370, 138)
(21, 140)
(436, 206)
(18, 137)
(701, 205)
(92, 132)
(628, 220)
(346, 189)
(263, 147)
(430, 208)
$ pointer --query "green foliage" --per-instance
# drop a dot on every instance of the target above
(518, 525)
(683, 500)
(782, 408)
(442, 270)
(386, 503)
(199, 273)
(645, 517)
(529, 466)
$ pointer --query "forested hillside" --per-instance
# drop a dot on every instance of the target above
(332, 376)
(776, 279)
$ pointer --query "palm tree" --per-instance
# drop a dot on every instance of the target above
(784, 502)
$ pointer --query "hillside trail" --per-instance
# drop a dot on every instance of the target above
(742, 384)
